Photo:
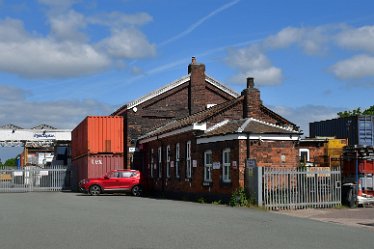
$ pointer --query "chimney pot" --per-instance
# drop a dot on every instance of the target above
(193, 60)
(250, 82)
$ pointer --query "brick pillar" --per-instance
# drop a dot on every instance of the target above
(252, 101)
(197, 98)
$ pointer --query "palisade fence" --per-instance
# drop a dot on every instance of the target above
(32, 178)
(277, 188)
(296, 188)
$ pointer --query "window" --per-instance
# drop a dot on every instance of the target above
(304, 155)
(168, 161)
(152, 162)
(226, 165)
(208, 166)
(188, 160)
(177, 157)
(159, 162)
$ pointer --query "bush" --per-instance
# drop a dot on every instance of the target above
(239, 198)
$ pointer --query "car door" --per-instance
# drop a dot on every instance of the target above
(124, 180)
(111, 181)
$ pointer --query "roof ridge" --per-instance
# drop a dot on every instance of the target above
(220, 124)
(270, 124)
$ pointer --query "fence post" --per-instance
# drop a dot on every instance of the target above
(259, 186)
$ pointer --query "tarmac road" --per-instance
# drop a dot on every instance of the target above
(73, 221)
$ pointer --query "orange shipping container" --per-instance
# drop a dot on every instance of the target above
(94, 166)
(97, 134)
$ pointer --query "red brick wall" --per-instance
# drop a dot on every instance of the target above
(274, 153)
(265, 153)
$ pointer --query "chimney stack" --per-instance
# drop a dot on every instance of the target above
(252, 101)
(196, 92)
(250, 82)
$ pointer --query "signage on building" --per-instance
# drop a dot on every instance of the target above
(131, 149)
(44, 136)
(172, 164)
(251, 163)
(234, 165)
(216, 165)
(194, 163)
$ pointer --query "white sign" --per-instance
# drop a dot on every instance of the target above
(216, 165)
(17, 173)
(131, 149)
(44, 136)
(96, 162)
(172, 164)
(43, 173)
(194, 163)
(234, 165)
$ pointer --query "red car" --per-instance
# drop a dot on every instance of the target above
(114, 181)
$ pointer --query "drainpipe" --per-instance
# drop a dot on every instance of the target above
(248, 145)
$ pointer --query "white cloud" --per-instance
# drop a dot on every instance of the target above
(127, 43)
(251, 62)
(361, 38)
(359, 66)
(68, 26)
(66, 50)
(45, 58)
(311, 40)
(61, 114)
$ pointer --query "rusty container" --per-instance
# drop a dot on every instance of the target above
(94, 166)
(98, 134)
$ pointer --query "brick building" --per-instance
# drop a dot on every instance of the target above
(204, 153)
(181, 98)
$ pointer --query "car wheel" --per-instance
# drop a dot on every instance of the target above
(136, 190)
(95, 190)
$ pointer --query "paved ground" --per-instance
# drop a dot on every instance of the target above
(357, 217)
(72, 221)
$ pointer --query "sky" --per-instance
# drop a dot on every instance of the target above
(63, 60)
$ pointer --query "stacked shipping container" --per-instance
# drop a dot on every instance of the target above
(97, 146)
(363, 159)
(359, 130)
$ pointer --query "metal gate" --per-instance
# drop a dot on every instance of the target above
(295, 188)
(31, 178)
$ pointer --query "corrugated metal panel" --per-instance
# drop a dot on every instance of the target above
(93, 166)
(358, 129)
(98, 134)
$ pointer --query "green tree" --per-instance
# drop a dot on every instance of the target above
(369, 111)
(11, 162)
(355, 112)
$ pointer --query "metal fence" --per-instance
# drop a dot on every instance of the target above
(296, 188)
(31, 178)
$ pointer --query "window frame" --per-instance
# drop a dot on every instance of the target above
(177, 161)
(208, 166)
(307, 154)
(188, 160)
(226, 166)
(152, 162)
(160, 162)
(168, 161)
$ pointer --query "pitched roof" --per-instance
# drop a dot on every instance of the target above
(247, 125)
(198, 117)
(44, 126)
(11, 126)
(172, 86)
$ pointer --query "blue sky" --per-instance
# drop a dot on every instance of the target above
(63, 60)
